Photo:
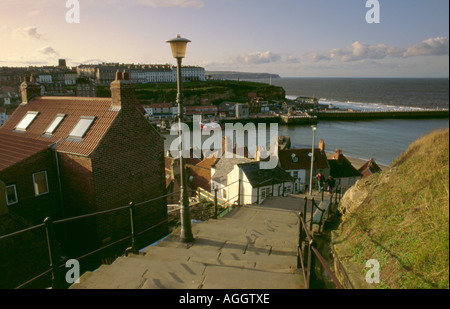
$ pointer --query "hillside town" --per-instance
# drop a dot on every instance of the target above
(72, 155)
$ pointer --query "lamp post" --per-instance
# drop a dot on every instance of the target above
(314, 128)
(178, 46)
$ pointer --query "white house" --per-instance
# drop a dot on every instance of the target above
(253, 185)
(220, 176)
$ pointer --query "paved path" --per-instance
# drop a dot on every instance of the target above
(254, 247)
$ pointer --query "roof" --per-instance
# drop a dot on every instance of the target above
(199, 177)
(261, 177)
(369, 168)
(73, 108)
(342, 168)
(288, 159)
(14, 149)
(224, 166)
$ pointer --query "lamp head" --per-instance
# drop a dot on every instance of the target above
(178, 45)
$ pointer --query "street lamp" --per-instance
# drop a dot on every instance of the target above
(178, 46)
(314, 128)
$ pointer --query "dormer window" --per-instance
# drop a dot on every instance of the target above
(294, 158)
(55, 124)
(81, 128)
(26, 121)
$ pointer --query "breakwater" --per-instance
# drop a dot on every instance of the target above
(367, 115)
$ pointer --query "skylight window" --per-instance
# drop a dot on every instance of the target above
(26, 121)
(81, 128)
(54, 125)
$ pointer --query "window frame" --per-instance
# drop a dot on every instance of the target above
(25, 127)
(80, 137)
(46, 183)
(15, 194)
(55, 123)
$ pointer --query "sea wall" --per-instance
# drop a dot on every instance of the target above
(357, 115)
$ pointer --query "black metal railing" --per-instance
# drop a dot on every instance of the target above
(307, 253)
(53, 249)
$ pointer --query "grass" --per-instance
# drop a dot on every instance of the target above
(404, 223)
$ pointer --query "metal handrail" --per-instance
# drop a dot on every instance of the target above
(305, 237)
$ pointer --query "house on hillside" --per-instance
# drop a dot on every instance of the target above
(106, 155)
(297, 162)
(345, 174)
(250, 184)
(370, 168)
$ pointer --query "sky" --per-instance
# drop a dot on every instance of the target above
(292, 38)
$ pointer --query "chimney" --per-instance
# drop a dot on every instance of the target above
(122, 91)
(29, 89)
(322, 146)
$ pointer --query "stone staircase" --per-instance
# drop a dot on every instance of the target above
(253, 247)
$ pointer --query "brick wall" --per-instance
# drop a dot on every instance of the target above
(128, 166)
(34, 209)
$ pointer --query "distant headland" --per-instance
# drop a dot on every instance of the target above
(239, 75)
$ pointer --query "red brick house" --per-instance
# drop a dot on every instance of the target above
(107, 155)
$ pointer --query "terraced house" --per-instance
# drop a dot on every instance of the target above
(86, 155)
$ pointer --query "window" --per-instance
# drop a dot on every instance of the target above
(224, 194)
(11, 195)
(40, 183)
(294, 158)
(295, 174)
(54, 125)
(83, 125)
(26, 121)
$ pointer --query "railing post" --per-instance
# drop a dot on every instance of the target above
(306, 262)
(133, 249)
(215, 203)
(312, 262)
(53, 254)
(239, 193)
(313, 203)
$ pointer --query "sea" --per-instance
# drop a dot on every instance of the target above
(384, 139)
(381, 139)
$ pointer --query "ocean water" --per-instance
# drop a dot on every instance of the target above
(383, 139)
(371, 93)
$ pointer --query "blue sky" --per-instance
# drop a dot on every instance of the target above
(311, 38)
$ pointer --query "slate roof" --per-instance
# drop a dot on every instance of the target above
(261, 177)
(342, 168)
(14, 149)
(73, 108)
(304, 160)
(224, 166)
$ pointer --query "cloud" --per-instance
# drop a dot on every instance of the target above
(35, 12)
(27, 33)
(431, 47)
(360, 51)
(173, 3)
(48, 51)
(266, 57)
(315, 57)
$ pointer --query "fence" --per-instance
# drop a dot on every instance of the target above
(53, 248)
(305, 258)
(307, 252)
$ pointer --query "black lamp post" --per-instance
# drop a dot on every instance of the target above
(178, 46)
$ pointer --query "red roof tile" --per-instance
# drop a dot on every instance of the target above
(74, 108)
(14, 149)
